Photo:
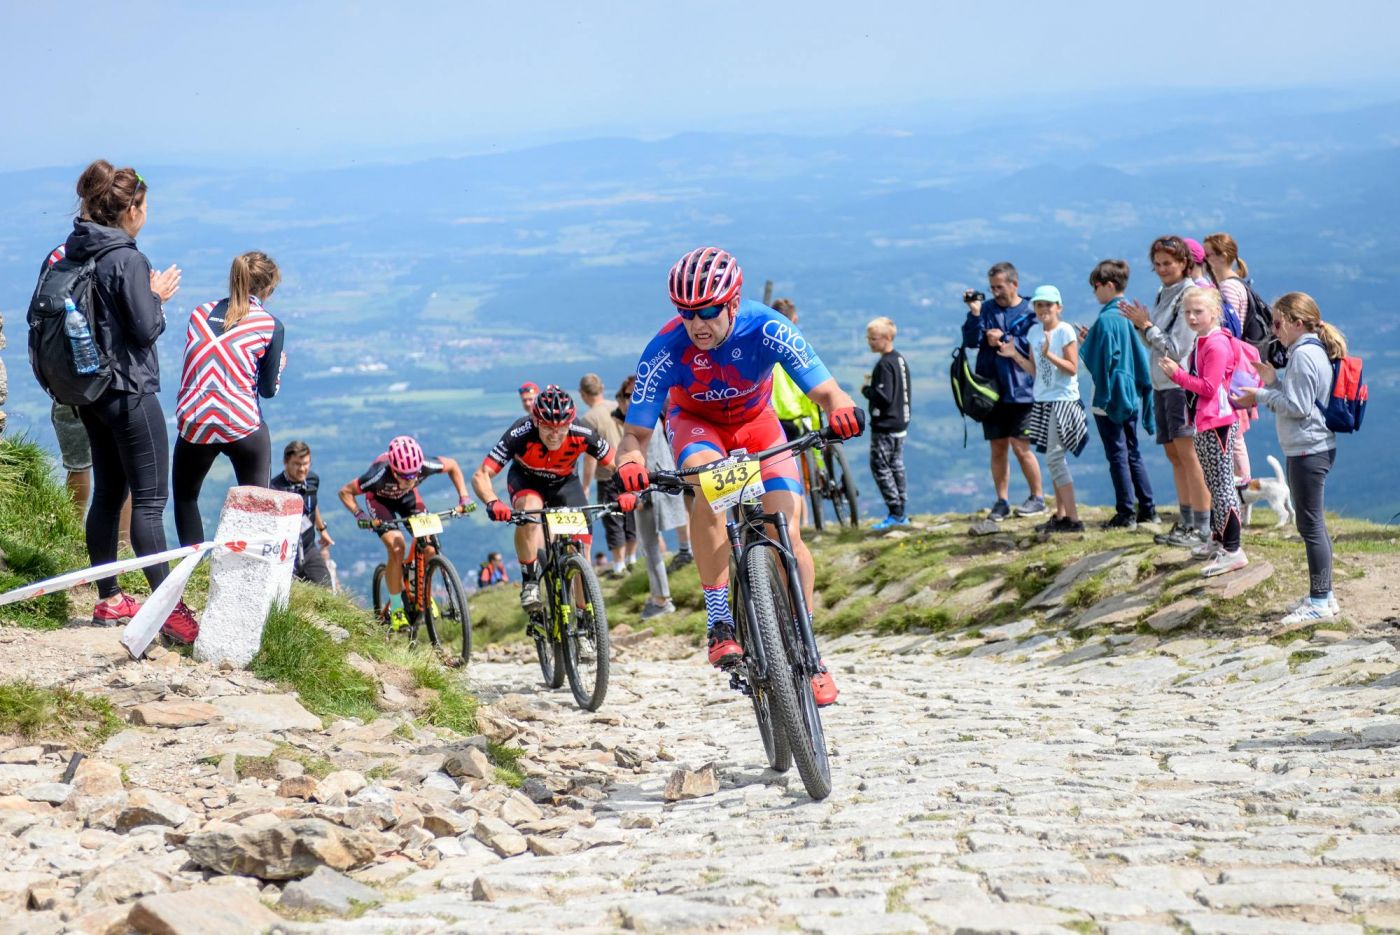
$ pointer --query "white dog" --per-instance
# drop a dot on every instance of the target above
(1273, 492)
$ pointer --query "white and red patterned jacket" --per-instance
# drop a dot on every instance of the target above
(225, 371)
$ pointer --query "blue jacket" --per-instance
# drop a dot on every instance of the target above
(1014, 384)
(1118, 364)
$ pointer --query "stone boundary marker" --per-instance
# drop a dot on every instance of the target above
(244, 587)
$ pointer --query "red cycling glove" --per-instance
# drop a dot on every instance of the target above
(498, 511)
(634, 477)
(627, 502)
(847, 422)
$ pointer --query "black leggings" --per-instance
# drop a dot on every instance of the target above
(251, 456)
(1307, 475)
(130, 452)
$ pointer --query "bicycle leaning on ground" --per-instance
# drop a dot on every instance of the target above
(571, 631)
(433, 596)
(780, 656)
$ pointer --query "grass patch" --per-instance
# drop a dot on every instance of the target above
(507, 762)
(41, 532)
(297, 653)
(1086, 592)
(450, 706)
(1298, 657)
(56, 715)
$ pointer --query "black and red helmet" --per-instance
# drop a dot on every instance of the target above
(705, 277)
(553, 407)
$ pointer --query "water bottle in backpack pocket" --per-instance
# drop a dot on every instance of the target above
(63, 352)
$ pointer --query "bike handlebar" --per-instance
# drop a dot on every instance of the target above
(402, 522)
(674, 481)
(521, 517)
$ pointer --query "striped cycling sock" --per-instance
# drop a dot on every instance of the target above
(717, 606)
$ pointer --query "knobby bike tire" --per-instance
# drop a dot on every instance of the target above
(795, 646)
(814, 491)
(764, 585)
(775, 742)
(379, 591)
(445, 586)
(585, 636)
(843, 487)
(548, 649)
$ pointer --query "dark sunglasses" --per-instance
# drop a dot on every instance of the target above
(704, 314)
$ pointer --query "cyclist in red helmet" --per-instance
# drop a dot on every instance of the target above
(541, 449)
(709, 371)
(390, 488)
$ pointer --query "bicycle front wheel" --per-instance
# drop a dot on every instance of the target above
(544, 629)
(814, 492)
(446, 614)
(775, 742)
(585, 638)
(379, 591)
(843, 487)
(786, 681)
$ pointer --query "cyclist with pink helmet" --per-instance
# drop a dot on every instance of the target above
(709, 370)
(390, 489)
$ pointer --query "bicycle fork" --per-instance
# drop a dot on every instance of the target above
(802, 619)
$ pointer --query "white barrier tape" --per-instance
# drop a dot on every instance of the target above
(275, 551)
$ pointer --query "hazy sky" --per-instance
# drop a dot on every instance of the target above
(260, 82)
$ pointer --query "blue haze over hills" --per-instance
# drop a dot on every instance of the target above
(417, 296)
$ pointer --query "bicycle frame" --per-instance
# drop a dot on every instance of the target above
(556, 550)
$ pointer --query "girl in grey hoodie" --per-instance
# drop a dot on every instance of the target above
(1295, 395)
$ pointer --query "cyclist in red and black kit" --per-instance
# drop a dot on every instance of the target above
(541, 450)
(390, 488)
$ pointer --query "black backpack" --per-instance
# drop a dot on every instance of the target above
(50, 354)
(973, 394)
(1258, 328)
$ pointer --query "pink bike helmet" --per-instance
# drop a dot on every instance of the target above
(405, 457)
(705, 277)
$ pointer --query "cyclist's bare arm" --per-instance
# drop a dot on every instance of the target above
(590, 467)
(347, 496)
(481, 483)
(829, 396)
(632, 449)
(453, 470)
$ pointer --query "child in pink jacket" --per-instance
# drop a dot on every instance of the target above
(1207, 378)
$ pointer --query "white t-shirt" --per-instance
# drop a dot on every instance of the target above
(1051, 383)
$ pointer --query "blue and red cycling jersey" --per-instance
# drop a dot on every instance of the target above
(729, 385)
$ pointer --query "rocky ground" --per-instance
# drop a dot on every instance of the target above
(1004, 782)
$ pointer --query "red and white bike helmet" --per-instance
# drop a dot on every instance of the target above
(554, 407)
(705, 277)
(405, 457)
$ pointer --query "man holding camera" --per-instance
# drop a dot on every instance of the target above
(1007, 317)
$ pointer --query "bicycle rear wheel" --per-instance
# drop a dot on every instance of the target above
(814, 484)
(786, 682)
(586, 644)
(775, 742)
(447, 616)
(843, 491)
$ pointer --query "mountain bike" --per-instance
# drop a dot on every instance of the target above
(433, 596)
(571, 631)
(770, 613)
(826, 476)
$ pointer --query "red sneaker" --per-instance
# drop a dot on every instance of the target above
(724, 649)
(180, 626)
(824, 688)
(109, 615)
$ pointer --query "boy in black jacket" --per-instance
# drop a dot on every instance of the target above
(887, 389)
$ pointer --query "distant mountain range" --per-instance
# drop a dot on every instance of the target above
(417, 296)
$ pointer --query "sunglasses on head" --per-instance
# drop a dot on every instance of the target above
(704, 314)
(136, 192)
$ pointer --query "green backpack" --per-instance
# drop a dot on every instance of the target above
(973, 394)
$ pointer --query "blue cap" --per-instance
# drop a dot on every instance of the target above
(1046, 294)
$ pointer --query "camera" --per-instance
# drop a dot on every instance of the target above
(972, 295)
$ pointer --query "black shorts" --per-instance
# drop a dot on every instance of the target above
(394, 509)
(563, 491)
(1173, 415)
(1008, 420)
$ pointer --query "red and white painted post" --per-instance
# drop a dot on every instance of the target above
(244, 586)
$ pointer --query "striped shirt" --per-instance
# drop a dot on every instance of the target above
(220, 381)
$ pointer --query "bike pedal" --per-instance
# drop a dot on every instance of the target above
(739, 684)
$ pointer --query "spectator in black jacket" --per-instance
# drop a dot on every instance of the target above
(125, 426)
(298, 478)
(887, 389)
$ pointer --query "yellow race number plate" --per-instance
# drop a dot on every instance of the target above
(730, 482)
(425, 524)
(567, 523)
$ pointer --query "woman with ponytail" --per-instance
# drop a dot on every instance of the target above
(233, 355)
(1294, 394)
(125, 426)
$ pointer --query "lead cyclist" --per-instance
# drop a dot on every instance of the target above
(710, 369)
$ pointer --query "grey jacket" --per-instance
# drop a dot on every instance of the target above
(1175, 343)
(1293, 399)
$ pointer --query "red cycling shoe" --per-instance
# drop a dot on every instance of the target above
(110, 615)
(824, 688)
(180, 626)
(724, 649)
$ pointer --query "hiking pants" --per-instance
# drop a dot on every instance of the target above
(1125, 467)
(1307, 474)
(250, 455)
(887, 465)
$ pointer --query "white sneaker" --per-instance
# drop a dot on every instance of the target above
(530, 597)
(1225, 562)
(1306, 599)
(1309, 612)
(1207, 550)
